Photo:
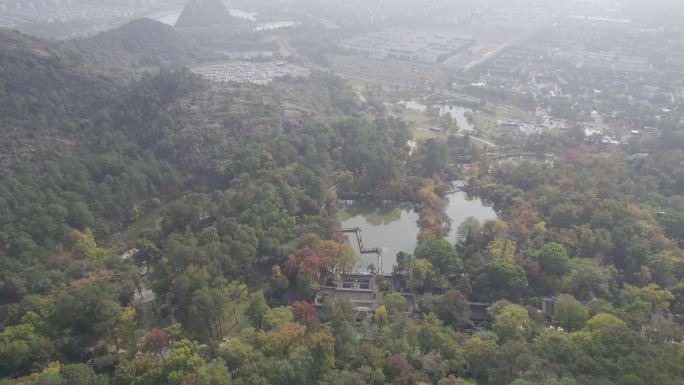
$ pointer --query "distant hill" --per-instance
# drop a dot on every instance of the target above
(78, 149)
(43, 87)
(47, 87)
(202, 13)
(139, 43)
(38, 77)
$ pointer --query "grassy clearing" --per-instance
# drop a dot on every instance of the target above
(131, 233)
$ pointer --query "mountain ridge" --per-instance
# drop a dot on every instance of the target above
(139, 43)
(202, 13)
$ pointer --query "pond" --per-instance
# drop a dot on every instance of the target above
(390, 225)
(457, 113)
(462, 207)
(393, 226)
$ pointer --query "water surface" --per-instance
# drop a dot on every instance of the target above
(461, 207)
(393, 226)
(390, 225)
(458, 113)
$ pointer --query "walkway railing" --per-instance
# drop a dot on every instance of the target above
(362, 248)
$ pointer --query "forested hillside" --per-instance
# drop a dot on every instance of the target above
(168, 230)
(202, 13)
(142, 43)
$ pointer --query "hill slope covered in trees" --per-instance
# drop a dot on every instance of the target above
(203, 13)
(226, 197)
(139, 43)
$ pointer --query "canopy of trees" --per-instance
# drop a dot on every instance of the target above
(170, 231)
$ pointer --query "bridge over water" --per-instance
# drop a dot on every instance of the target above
(362, 248)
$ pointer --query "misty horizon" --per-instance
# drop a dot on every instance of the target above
(341, 192)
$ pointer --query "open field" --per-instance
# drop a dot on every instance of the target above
(392, 72)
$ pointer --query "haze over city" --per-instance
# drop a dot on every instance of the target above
(341, 192)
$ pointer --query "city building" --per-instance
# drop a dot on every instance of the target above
(414, 46)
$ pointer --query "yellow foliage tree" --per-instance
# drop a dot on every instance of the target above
(381, 318)
(280, 278)
(84, 245)
(124, 331)
(53, 367)
(502, 248)
(282, 339)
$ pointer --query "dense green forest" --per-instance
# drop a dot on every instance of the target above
(228, 195)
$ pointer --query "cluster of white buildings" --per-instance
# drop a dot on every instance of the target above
(415, 46)
(248, 72)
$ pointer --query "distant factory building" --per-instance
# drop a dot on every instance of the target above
(414, 46)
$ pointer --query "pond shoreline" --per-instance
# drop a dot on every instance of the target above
(374, 198)
(456, 185)
(395, 225)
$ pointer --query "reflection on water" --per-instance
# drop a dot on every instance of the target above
(393, 226)
(461, 208)
(458, 113)
(375, 213)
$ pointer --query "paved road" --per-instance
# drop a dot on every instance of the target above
(535, 27)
